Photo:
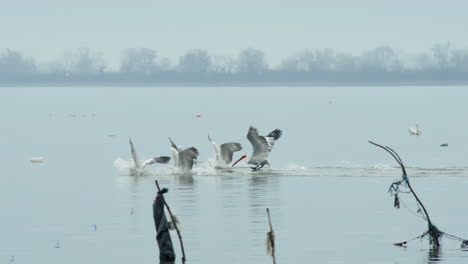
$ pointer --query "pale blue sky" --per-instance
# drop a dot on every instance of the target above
(46, 29)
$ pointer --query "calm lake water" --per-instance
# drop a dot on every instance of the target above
(326, 190)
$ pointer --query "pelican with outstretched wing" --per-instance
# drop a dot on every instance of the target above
(139, 166)
(183, 158)
(262, 146)
(225, 151)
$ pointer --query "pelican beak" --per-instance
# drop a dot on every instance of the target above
(241, 158)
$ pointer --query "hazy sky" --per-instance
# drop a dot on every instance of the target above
(46, 29)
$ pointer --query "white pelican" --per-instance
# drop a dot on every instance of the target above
(138, 167)
(183, 158)
(262, 146)
(415, 131)
(225, 151)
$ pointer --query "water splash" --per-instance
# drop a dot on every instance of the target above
(123, 164)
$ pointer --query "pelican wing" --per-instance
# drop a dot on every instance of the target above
(259, 144)
(173, 145)
(228, 149)
(216, 148)
(186, 158)
(136, 161)
(262, 145)
(271, 138)
(175, 152)
(161, 159)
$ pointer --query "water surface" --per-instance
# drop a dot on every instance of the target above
(326, 190)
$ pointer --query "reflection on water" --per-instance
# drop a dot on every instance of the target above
(184, 179)
(262, 193)
(434, 256)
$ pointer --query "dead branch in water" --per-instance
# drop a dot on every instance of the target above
(432, 233)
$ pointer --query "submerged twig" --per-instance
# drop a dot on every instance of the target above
(270, 240)
(173, 219)
(433, 233)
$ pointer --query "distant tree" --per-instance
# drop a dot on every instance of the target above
(423, 62)
(54, 67)
(222, 64)
(311, 61)
(85, 62)
(382, 58)
(441, 53)
(459, 60)
(302, 62)
(195, 61)
(139, 61)
(345, 63)
(12, 63)
(252, 62)
(325, 60)
(164, 64)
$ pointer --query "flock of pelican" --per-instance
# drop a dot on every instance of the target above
(184, 159)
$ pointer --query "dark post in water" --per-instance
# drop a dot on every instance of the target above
(166, 250)
(270, 240)
(163, 227)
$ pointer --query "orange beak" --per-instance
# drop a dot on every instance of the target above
(241, 158)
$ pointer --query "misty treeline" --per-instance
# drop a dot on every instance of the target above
(440, 64)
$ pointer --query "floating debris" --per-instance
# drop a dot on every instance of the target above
(37, 159)
(464, 244)
(401, 244)
(197, 115)
(444, 145)
(57, 244)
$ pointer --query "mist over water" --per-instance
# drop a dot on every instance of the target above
(326, 189)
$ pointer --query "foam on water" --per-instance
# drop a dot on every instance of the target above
(295, 167)
(383, 167)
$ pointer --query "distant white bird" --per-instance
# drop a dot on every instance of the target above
(415, 131)
(183, 158)
(138, 167)
(225, 151)
(262, 146)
